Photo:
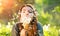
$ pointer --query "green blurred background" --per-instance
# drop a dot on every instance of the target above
(48, 15)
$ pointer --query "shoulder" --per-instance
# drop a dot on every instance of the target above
(39, 27)
(15, 25)
(15, 29)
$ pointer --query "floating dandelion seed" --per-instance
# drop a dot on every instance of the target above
(0, 24)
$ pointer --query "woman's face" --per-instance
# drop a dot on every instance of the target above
(27, 13)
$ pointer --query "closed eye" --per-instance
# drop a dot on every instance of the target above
(30, 11)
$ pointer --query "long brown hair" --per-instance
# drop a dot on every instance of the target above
(34, 21)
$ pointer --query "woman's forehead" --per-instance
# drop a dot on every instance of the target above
(27, 8)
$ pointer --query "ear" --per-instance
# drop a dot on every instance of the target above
(36, 13)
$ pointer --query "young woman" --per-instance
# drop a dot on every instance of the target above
(27, 16)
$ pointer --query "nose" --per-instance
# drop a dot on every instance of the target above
(27, 13)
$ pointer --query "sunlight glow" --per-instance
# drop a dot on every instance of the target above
(6, 4)
(1, 8)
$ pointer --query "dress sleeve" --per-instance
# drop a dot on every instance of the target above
(15, 30)
(40, 29)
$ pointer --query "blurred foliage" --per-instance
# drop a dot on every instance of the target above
(48, 15)
(5, 30)
(50, 30)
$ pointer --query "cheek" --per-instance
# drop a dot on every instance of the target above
(31, 15)
(23, 14)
